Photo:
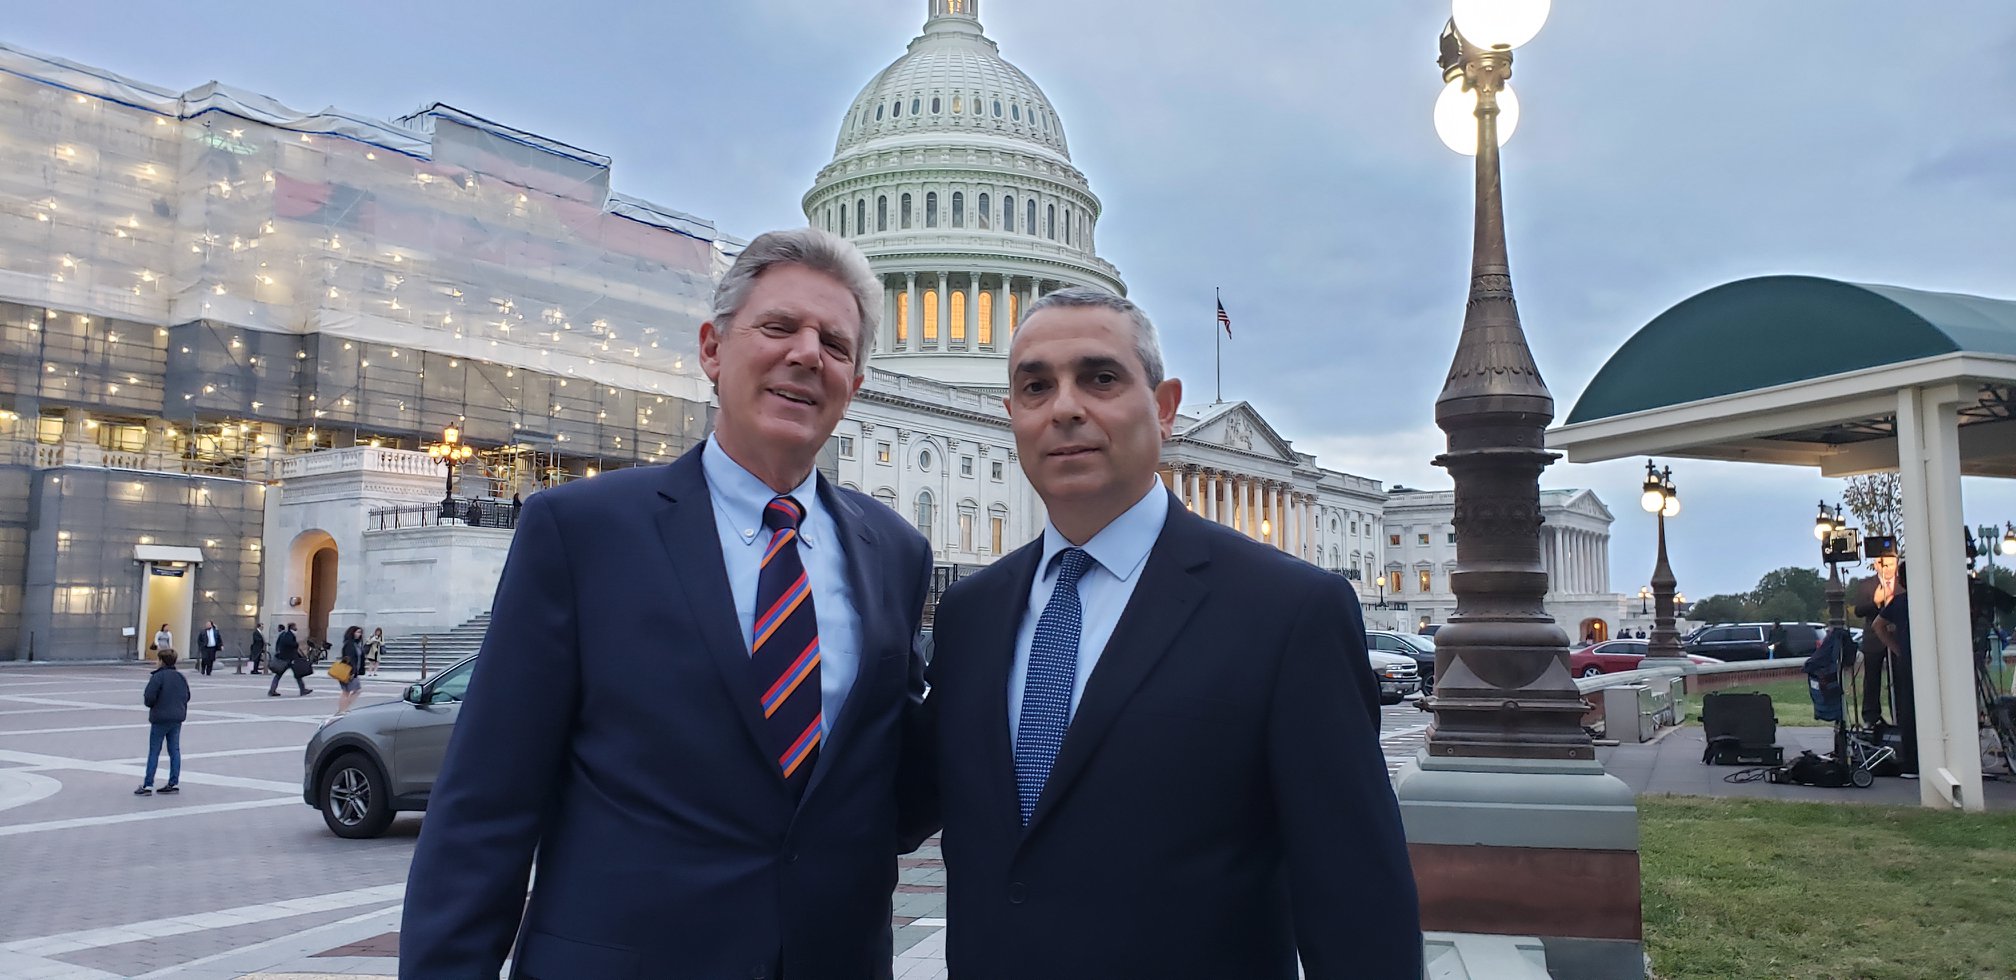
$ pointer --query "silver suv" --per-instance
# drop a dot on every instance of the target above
(365, 766)
(1398, 676)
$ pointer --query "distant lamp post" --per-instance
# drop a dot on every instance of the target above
(1644, 597)
(1663, 501)
(1838, 545)
(450, 452)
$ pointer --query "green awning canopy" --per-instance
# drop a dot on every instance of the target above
(1759, 333)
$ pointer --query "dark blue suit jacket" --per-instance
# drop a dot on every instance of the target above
(1220, 799)
(612, 727)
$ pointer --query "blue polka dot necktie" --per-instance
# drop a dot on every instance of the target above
(1053, 672)
(784, 647)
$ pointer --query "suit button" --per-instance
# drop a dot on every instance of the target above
(1016, 893)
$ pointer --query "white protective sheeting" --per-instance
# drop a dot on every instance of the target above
(442, 230)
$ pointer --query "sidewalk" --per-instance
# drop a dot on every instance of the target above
(1671, 766)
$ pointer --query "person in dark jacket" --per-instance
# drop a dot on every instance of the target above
(353, 654)
(257, 653)
(286, 650)
(167, 700)
(209, 643)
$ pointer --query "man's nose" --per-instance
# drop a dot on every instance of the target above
(804, 347)
(1067, 405)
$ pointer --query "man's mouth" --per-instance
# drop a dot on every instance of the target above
(1069, 452)
(794, 396)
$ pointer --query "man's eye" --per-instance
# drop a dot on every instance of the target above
(776, 328)
(1032, 387)
(1105, 378)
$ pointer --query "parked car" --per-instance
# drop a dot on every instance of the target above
(1615, 656)
(1429, 630)
(1397, 674)
(1414, 646)
(1751, 641)
(381, 759)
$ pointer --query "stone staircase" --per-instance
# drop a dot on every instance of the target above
(403, 653)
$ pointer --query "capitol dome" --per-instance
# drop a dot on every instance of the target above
(952, 174)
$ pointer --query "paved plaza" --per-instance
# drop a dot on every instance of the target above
(235, 876)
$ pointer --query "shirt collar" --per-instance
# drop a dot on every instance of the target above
(741, 497)
(1122, 546)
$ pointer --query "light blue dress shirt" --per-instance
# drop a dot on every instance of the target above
(739, 498)
(1119, 551)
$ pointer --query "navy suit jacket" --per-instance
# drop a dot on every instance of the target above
(611, 726)
(1220, 799)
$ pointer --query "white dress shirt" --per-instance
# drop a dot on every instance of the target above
(1118, 551)
(739, 498)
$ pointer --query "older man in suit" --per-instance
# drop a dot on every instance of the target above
(691, 702)
(1157, 736)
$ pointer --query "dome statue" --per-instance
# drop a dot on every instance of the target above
(952, 174)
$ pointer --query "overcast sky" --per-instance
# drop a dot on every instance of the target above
(1284, 152)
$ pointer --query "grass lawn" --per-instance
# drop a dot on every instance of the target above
(1788, 698)
(1768, 890)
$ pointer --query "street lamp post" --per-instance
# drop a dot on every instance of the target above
(1509, 817)
(1663, 501)
(450, 452)
(1644, 600)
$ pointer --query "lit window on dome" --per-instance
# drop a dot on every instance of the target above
(934, 105)
(958, 105)
(997, 108)
(915, 104)
(1015, 112)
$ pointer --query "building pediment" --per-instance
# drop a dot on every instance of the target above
(1237, 427)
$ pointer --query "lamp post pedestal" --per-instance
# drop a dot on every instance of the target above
(1523, 848)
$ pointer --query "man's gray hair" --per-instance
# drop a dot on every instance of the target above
(818, 251)
(1146, 343)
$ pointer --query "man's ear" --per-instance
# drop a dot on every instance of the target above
(710, 350)
(1168, 398)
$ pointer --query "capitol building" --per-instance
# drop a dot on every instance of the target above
(231, 331)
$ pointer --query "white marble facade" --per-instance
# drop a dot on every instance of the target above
(1574, 548)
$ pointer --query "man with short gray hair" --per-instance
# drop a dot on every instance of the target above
(691, 704)
(1158, 748)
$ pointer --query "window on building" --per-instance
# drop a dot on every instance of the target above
(1007, 212)
(1050, 221)
(915, 105)
(1014, 304)
(997, 108)
(882, 212)
(994, 470)
(1393, 581)
(958, 209)
(878, 113)
(980, 212)
(931, 209)
(1015, 112)
(957, 327)
(931, 316)
(965, 466)
(1030, 225)
(924, 460)
(997, 527)
(896, 108)
(969, 515)
(925, 513)
(826, 219)
(958, 104)
(1421, 539)
(49, 429)
(934, 105)
(904, 212)
(1393, 541)
(1067, 226)
(882, 456)
(1354, 527)
(986, 337)
(843, 220)
(1452, 537)
(1427, 579)
(845, 446)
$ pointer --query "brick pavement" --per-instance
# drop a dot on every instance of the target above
(235, 877)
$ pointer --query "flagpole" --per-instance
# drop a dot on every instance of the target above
(1218, 347)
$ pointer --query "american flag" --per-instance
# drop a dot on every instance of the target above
(1224, 319)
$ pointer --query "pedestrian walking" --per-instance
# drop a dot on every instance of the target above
(257, 652)
(163, 640)
(373, 649)
(209, 644)
(167, 700)
(286, 654)
(351, 657)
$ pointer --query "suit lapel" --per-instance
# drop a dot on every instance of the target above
(699, 573)
(870, 598)
(991, 646)
(1162, 603)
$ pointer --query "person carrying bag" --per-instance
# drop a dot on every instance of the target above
(287, 659)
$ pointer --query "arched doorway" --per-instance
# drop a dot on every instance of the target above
(1594, 630)
(311, 583)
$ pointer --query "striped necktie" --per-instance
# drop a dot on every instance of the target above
(784, 648)
(1053, 673)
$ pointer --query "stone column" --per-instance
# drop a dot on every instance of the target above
(972, 310)
(1196, 500)
(1278, 522)
(944, 323)
(1211, 495)
(914, 338)
(1003, 327)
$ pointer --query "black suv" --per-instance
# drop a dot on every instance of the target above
(1751, 641)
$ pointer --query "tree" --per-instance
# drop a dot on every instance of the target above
(1877, 500)
(1721, 609)
(1790, 594)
